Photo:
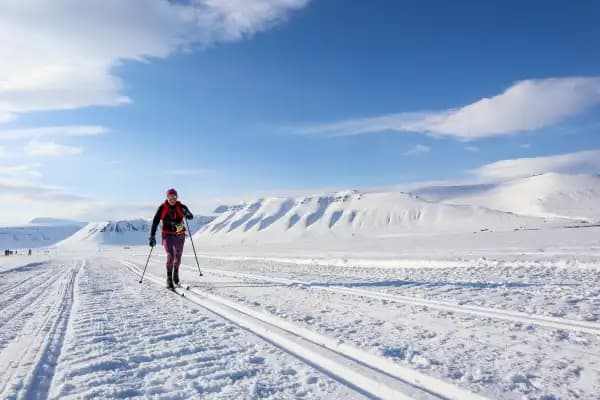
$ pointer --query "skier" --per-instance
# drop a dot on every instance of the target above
(171, 213)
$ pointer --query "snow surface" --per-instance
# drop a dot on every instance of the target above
(365, 295)
(77, 324)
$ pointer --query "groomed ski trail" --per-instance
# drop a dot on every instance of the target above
(30, 359)
(24, 299)
(487, 312)
(128, 340)
(367, 373)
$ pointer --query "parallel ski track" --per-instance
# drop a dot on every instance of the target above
(23, 302)
(372, 375)
(487, 312)
(13, 286)
(30, 361)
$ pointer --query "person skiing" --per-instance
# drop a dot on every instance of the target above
(171, 213)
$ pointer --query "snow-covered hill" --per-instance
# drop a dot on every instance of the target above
(40, 232)
(546, 195)
(354, 214)
(111, 232)
(47, 221)
(126, 232)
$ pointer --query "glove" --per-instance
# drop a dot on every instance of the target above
(152, 241)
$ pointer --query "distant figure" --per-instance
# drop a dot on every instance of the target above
(171, 213)
(29, 252)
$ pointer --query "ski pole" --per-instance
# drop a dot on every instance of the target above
(193, 247)
(147, 261)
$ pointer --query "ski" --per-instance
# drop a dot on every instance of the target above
(176, 292)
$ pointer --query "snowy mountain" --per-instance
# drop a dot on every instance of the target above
(36, 234)
(199, 221)
(112, 232)
(126, 232)
(352, 213)
(545, 195)
(46, 221)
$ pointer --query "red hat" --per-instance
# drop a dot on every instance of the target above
(171, 192)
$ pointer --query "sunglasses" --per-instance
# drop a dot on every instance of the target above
(172, 197)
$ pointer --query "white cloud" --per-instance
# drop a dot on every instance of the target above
(525, 146)
(30, 200)
(582, 161)
(472, 149)
(52, 131)
(418, 149)
(61, 54)
(525, 106)
(35, 148)
(20, 172)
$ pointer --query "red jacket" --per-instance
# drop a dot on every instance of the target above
(172, 219)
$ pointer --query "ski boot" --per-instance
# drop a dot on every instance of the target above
(176, 277)
(170, 279)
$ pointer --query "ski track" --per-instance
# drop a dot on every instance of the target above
(38, 274)
(487, 312)
(137, 341)
(31, 357)
(565, 288)
(23, 299)
(86, 330)
(366, 372)
(511, 359)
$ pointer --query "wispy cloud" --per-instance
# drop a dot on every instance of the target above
(61, 54)
(582, 161)
(418, 149)
(525, 106)
(36, 148)
(52, 131)
(472, 149)
(31, 200)
(525, 145)
(20, 172)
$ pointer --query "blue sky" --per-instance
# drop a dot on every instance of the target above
(241, 98)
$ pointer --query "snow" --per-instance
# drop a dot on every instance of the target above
(124, 232)
(34, 236)
(354, 214)
(47, 221)
(545, 195)
(366, 295)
